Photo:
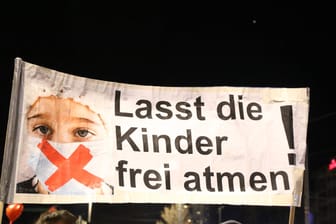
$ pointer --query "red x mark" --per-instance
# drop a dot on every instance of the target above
(69, 168)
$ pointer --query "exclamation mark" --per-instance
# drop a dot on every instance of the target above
(287, 120)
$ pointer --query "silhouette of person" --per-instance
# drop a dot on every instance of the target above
(55, 216)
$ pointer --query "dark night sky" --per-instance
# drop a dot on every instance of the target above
(189, 44)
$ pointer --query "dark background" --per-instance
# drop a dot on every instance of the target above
(183, 44)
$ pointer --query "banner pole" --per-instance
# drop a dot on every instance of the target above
(306, 192)
(9, 151)
(1, 210)
(291, 215)
(89, 211)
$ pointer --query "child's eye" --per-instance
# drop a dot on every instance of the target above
(83, 133)
(42, 130)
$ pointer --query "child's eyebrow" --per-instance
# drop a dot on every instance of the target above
(39, 115)
(84, 119)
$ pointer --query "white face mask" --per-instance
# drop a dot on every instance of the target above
(72, 168)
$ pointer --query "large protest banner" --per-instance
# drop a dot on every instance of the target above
(72, 139)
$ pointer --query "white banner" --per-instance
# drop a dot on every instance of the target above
(77, 139)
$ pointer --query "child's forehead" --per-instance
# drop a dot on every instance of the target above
(53, 106)
(58, 101)
(57, 105)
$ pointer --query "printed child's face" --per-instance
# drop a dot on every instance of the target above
(63, 120)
